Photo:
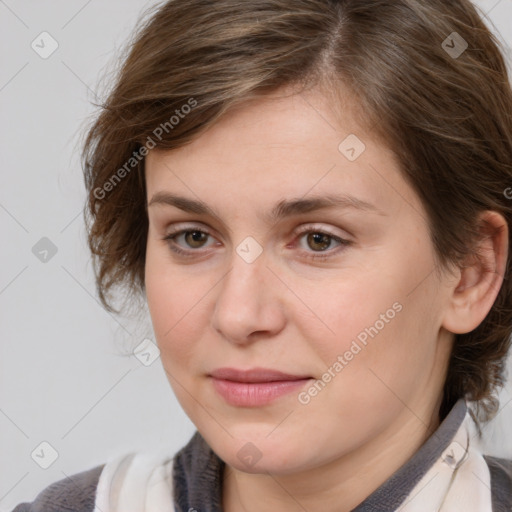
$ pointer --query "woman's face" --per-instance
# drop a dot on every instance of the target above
(264, 283)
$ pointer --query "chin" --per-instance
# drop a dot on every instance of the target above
(262, 455)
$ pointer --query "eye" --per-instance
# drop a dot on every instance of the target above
(320, 240)
(194, 238)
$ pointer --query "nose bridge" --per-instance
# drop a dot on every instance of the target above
(245, 301)
(243, 286)
(248, 265)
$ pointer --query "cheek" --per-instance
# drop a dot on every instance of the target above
(371, 316)
(175, 310)
(388, 350)
(346, 310)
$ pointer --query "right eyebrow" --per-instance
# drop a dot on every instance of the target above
(183, 203)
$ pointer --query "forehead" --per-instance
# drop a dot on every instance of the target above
(279, 120)
(283, 145)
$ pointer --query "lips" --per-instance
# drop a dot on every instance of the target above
(254, 375)
(255, 387)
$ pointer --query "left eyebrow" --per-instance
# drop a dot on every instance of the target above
(287, 208)
(283, 209)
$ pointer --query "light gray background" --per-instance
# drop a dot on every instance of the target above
(63, 378)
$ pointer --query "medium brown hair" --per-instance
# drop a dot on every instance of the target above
(447, 117)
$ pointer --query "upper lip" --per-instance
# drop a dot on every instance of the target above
(254, 375)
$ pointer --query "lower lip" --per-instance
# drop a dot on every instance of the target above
(254, 394)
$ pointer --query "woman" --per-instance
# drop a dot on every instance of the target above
(311, 195)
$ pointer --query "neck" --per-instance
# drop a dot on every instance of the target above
(339, 485)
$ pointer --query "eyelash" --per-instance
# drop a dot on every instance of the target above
(322, 256)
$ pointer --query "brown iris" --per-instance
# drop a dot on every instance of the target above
(319, 238)
(195, 237)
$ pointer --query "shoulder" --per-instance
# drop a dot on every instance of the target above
(75, 493)
(501, 482)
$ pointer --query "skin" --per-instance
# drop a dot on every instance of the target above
(288, 312)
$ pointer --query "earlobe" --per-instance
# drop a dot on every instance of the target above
(481, 277)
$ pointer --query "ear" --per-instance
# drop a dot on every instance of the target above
(481, 276)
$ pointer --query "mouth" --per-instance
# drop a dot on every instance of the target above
(254, 387)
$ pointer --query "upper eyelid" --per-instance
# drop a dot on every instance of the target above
(178, 230)
(317, 227)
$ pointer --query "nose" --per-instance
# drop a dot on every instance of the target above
(249, 304)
